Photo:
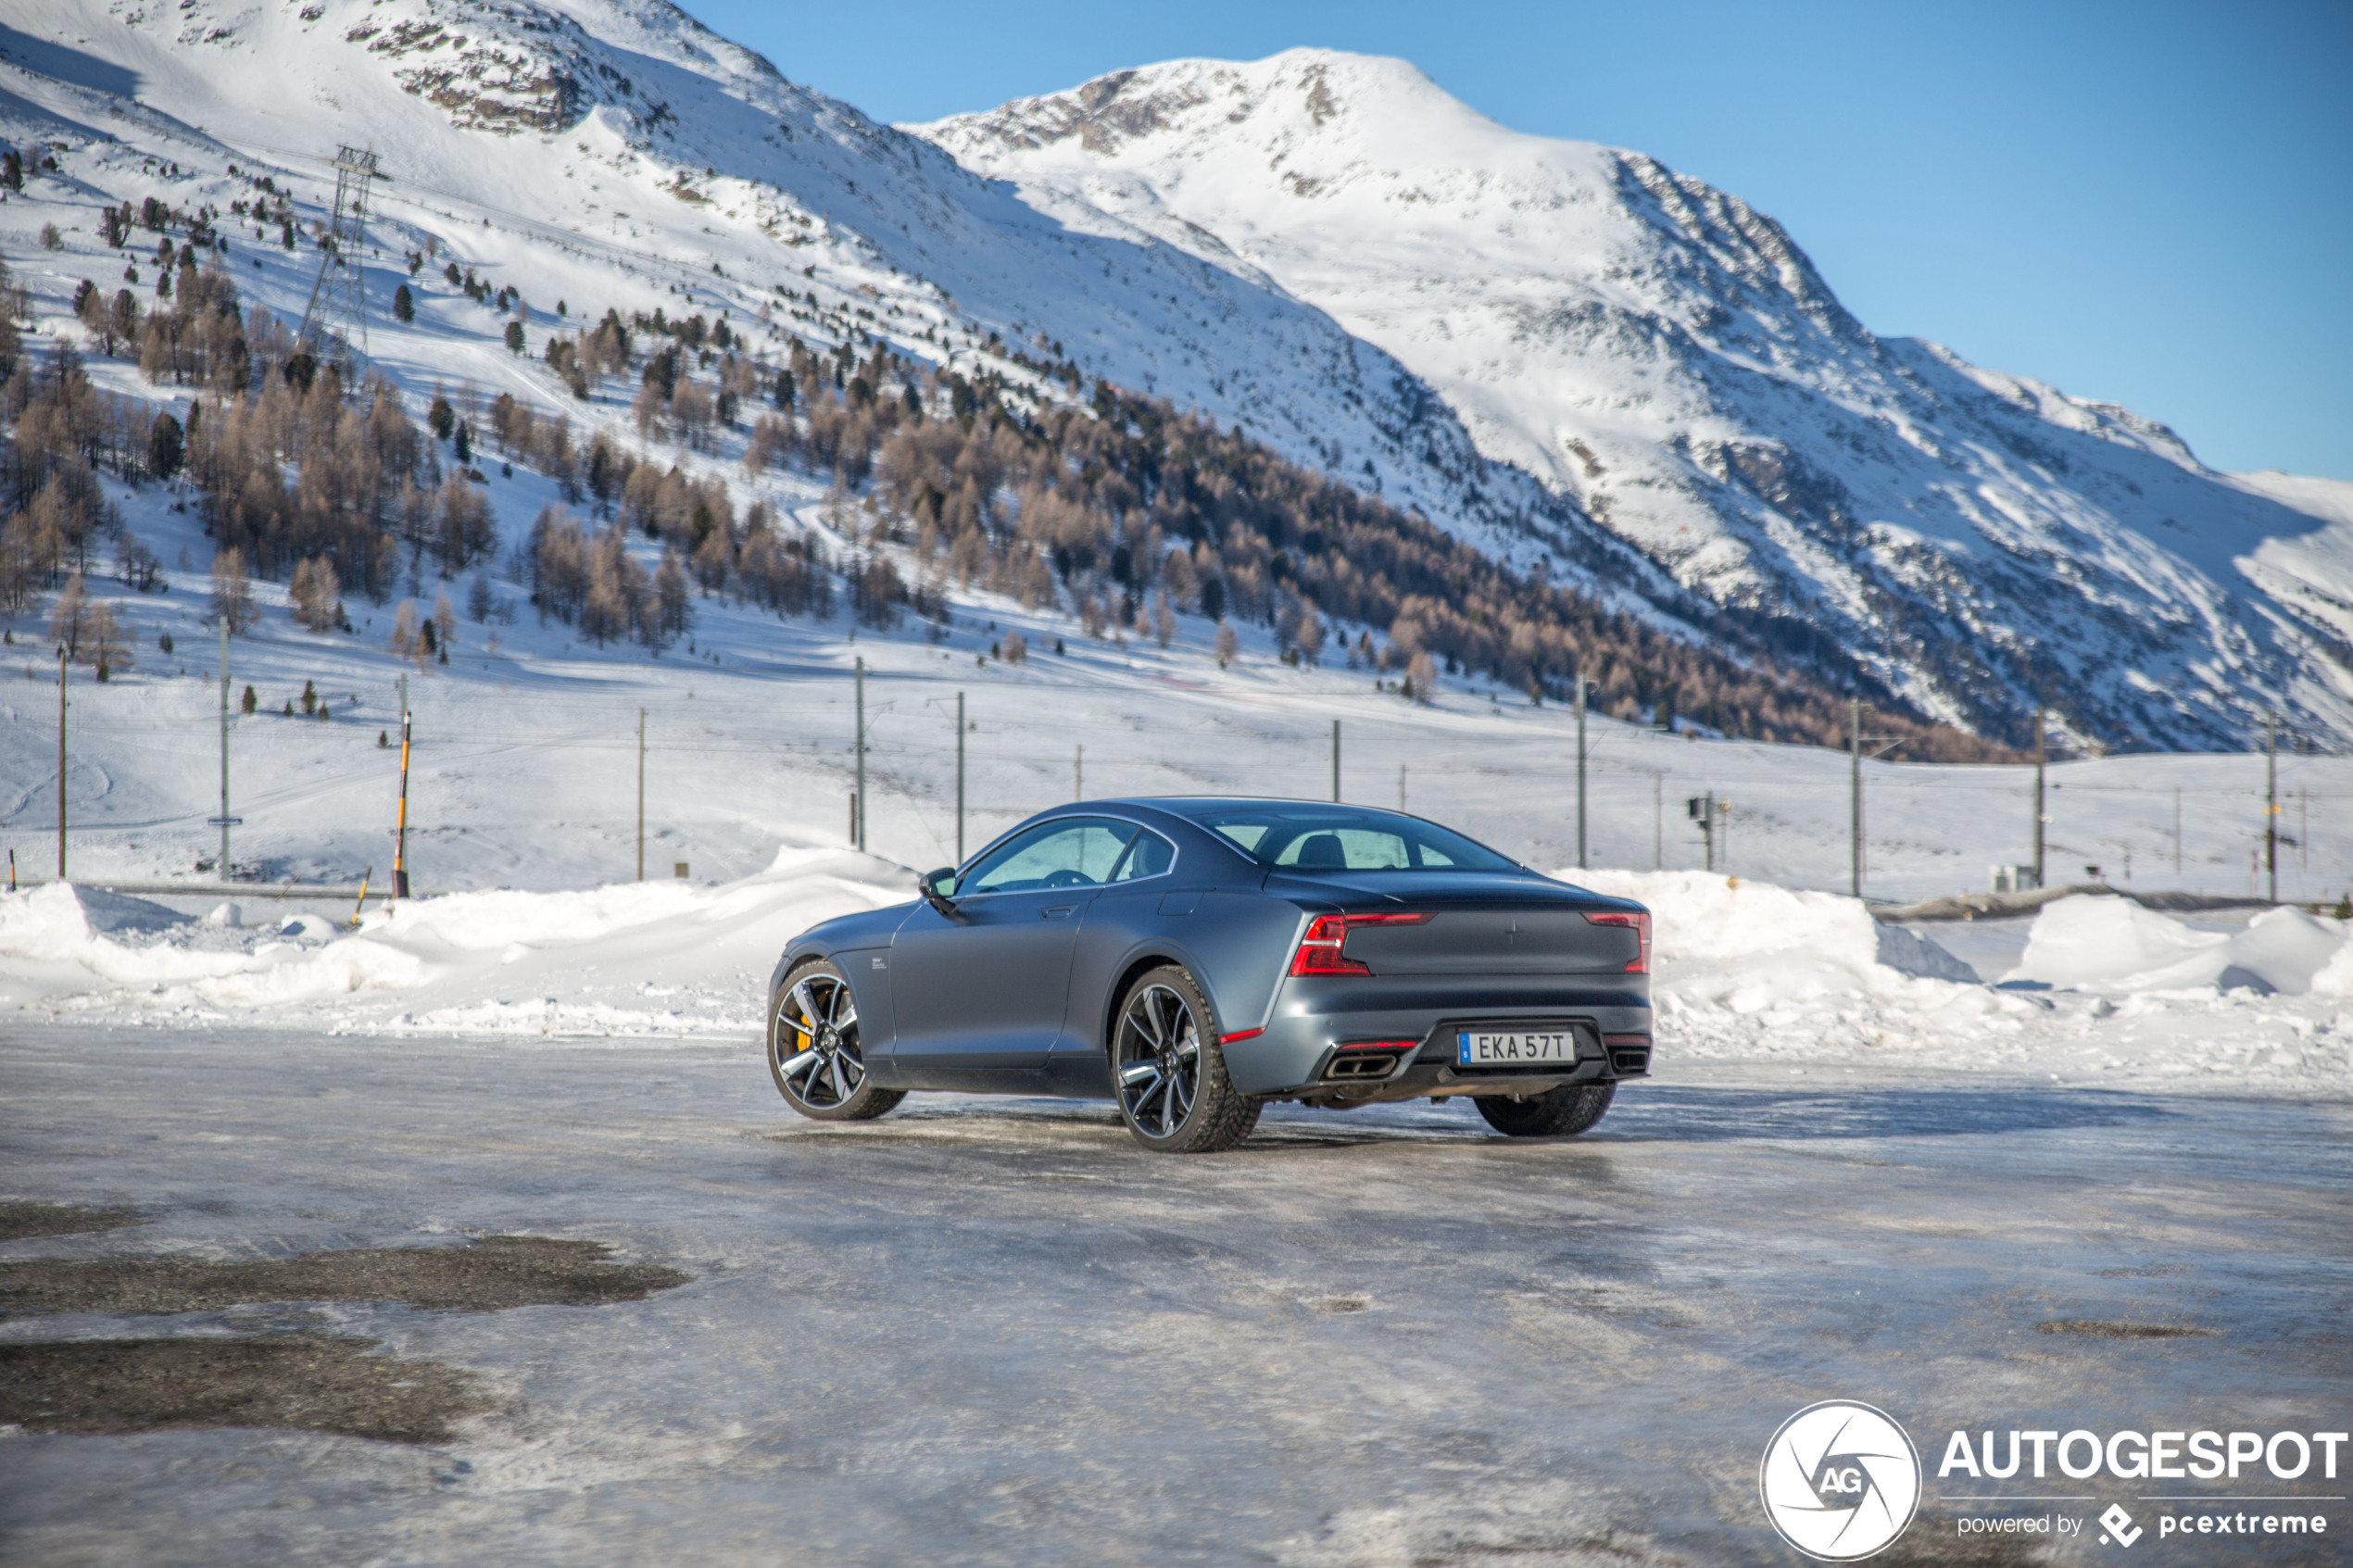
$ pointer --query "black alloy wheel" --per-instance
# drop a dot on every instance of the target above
(814, 1052)
(1169, 1072)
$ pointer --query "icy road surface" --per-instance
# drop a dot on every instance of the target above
(996, 1331)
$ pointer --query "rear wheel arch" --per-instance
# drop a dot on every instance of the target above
(1138, 965)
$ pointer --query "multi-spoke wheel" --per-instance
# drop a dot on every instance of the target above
(814, 1052)
(1169, 1072)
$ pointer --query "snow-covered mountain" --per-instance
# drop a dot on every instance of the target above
(617, 152)
(1667, 356)
(1563, 353)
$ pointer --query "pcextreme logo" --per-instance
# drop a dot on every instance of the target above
(1840, 1481)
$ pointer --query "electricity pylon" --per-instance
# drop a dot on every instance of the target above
(334, 323)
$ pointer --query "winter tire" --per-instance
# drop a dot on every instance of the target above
(1168, 1073)
(813, 1050)
(1560, 1113)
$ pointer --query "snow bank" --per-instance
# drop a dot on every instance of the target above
(586, 962)
(1748, 944)
(1746, 971)
(2114, 944)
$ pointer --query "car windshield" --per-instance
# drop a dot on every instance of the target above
(1314, 839)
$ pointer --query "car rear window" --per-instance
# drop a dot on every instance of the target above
(1330, 839)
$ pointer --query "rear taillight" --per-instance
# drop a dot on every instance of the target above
(1639, 923)
(1319, 951)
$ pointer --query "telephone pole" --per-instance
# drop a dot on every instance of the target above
(2039, 818)
(1885, 745)
(61, 763)
(2271, 800)
(857, 800)
(1581, 684)
(1335, 761)
(224, 818)
(960, 778)
(1078, 774)
(641, 794)
(1855, 799)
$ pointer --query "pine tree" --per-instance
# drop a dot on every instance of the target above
(249, 702)
(309, 698)
(404, 305)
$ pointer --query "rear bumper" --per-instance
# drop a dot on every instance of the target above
(1315, 1046)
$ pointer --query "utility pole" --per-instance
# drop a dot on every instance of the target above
(2040, 819)
(1581, 684)
(400, 834)
(1855, 799)
(960, 778)
(2177, 834)
(1658, 822)
(2271, 800)
(1078, 774)
(1335, 761)
(1884, 744)
(641, 794)
(857, 800)
(61, 763)
(1400, 786)
(224, 818)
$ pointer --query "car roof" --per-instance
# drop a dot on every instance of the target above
(1194, 808)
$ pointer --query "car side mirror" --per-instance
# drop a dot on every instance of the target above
(938, 888)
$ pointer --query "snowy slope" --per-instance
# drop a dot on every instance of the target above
(602, 154)
(1665, 354)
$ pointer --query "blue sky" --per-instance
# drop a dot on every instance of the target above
(2149, 203)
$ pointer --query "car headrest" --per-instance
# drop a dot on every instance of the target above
(1321, 851)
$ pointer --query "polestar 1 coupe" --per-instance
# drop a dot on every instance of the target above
(1194, 959)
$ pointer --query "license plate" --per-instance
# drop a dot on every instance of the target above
(1513, 1047)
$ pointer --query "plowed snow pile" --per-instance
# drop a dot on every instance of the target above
(634, 959)
(2114, 944)
(2106, 991)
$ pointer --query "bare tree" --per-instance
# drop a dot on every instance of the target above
(233, 592)
(69, 618)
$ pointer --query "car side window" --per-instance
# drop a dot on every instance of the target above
(1149, 854)
(1355, 849)
(1069, 852)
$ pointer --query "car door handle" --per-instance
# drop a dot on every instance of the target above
(1057, 912)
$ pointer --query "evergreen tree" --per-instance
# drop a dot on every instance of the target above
(404, 305)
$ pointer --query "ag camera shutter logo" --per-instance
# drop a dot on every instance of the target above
(1840, 1481)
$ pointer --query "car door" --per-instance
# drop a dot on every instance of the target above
(983, 990)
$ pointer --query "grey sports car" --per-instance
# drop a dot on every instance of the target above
(1193, 959)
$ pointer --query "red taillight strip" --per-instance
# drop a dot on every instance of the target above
(1378, 1044)
(1638, 922)
(1319, 949)
(1626, 1040)
(1240, 1035)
